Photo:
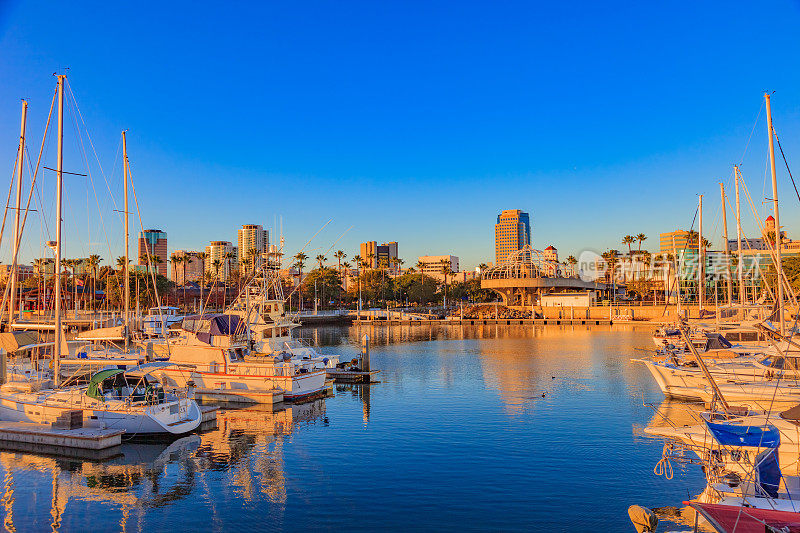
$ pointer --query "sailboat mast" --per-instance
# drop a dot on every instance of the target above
(59, 184)
(778, 265)
(701, 271)
(12, 303)
(740, 266)
(727, 248)
(127, 237)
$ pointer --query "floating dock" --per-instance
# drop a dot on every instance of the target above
(350, 376)
(44, 434)
(237, 396)
(492, 321)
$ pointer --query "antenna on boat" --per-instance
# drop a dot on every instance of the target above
(59, 187)
(127, 237)
(701, 271)
(727, 248)
(739, 266)
(778, 265)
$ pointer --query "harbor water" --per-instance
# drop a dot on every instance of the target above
(473, 428)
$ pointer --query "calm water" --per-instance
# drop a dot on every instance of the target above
(457, 436)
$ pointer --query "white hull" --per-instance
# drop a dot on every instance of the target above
(296, 386)
(178, 417)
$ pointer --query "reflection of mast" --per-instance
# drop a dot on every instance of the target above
(56, 508)
(8, 501)
(365, 401)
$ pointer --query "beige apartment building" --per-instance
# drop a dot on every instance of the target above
(253, 239)
(224, 252)
(432, 265)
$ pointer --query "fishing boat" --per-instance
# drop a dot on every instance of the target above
(214, 353)
(158, 319)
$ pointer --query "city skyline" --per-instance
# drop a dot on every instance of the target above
(365, 146)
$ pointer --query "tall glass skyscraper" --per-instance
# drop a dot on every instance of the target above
(511, 233)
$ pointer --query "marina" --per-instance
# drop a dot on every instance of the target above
(289, 267)
(448, 395)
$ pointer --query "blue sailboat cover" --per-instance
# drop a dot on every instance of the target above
(752, 436)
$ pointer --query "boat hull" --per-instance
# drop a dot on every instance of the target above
(737, 519)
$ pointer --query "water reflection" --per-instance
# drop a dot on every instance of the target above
(455, 435)
(245, 446)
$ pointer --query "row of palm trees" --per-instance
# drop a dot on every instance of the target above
(365, 264)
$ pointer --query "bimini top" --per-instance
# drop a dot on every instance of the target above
(94, 390)
(751, 436)
(207, 326)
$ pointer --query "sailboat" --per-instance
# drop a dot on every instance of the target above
(132, 399)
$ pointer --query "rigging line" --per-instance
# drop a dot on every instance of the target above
(337, 240)
(770, 249)
(785, 162)
(747, 144)
(10, 188)
(36, 173)
(89, 137)
(147, 250)
(675, 260)
(71, 110)
(91, 181)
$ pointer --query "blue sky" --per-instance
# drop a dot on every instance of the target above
(415, 122)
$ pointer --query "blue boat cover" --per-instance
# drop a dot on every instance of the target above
(207, 326)
(769, 472)
(752, 436)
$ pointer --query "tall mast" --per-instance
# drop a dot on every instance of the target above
(740, 266)
(127, 270)
(778, 265)
(701, 271)
(59, 183)
(12, 303)
(727, 248)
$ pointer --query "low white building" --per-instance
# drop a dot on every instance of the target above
(569, 299)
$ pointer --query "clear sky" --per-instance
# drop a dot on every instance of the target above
(409, 121)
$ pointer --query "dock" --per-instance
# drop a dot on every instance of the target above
(45, 435)
(491, 322)
(350, 376)
(272, 396)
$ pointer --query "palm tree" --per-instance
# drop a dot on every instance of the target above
(321, 259)
(445, 270)
(628, 239)
(253, 253)
(202, 256)
(641, 237)
(299, 261)
(339, 255)
(347, 266)
(371, 259)
(93, 262)
(571, 261)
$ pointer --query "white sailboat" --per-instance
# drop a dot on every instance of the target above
(131, 400)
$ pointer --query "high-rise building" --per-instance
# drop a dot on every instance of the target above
(191, 270)
(253, 243)
(511, 233)
(379, 256)
(224, 252)
(676, 242)
(154, 243)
